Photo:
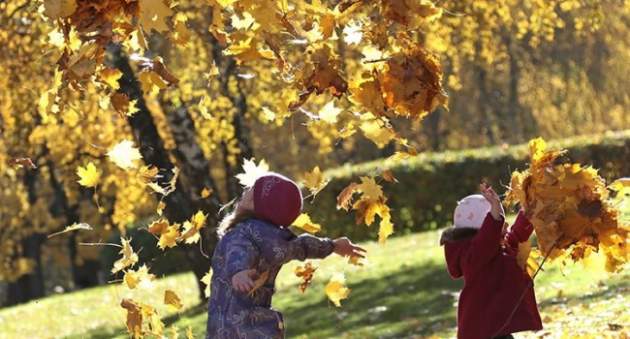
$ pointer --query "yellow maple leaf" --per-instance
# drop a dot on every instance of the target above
(344, 199)
(129, 257)
(251, 172)
(172, 299)
(89, 176)
(304, 222)
(371, 190)
(336, 289)
(55, 9)
(385, 228)
(153, 15)
(191, 234)
(376, 131)
(314, 180)
(168, 238)
(189, 333)
(125, 155)
(110, 76)
(140, 277)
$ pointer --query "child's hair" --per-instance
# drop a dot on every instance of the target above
(232, 219)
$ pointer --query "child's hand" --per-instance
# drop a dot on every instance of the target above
(345, 248)
(496, 208)
(242, 281)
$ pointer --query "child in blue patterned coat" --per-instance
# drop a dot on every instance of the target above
(255, 242)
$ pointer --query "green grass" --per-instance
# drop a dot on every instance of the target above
(404, 291)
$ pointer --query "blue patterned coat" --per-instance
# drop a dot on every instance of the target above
(265, 247)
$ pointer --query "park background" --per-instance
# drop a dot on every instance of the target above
(559, 71)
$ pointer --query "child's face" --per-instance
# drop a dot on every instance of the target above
(247, 200)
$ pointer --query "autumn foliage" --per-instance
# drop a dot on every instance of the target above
(570, 207)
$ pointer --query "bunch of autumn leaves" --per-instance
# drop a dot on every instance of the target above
(572, 209)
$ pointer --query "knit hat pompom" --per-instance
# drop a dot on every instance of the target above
(277, 199)
(471, 211)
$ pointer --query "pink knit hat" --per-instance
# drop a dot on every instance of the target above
(471, 211)
(277, 199)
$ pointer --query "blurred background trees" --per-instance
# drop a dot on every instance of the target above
(513, 70)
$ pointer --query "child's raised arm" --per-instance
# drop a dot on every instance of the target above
(519, 232)
(487, 243)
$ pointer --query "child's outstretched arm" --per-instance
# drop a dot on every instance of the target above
(307, 246)
(487, 243)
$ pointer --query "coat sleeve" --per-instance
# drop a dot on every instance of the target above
(307, 246)
(242, 252)
(487, 243)
(519, 232)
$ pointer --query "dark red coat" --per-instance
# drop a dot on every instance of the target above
(493, 281)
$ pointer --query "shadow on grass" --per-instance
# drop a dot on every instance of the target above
(606, 291)
(415, 300)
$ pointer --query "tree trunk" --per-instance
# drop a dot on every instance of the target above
(182, 203)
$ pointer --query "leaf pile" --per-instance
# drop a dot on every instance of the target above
(570, 206)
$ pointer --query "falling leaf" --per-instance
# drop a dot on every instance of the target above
(73, 227)
(172, 299)
(140, 277)
(336, 289)
(192, 227)
(159, 226)
(125, 155)
(189, 333)
(389, 176)
(329, 112)
(206, 279)
(110, 76)
(129, 257)
(344, 199)
(305, 273)
(386, 228)
(380, 134)
(153, 15)
(371, 190)
(356, 260)
(89, 176)
(304, 222)
(352, 33)
(134, 317)
(168, 238)
(314, 180)
(56, 9)
(251, 172)
(206, 192)
(160, 208)
(268, 114)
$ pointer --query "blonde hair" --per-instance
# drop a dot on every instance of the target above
(232, 219)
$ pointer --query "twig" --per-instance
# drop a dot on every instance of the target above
(99, 244)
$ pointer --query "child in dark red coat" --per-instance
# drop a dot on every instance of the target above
(498, 296)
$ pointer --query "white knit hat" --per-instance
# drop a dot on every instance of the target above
(471, 211)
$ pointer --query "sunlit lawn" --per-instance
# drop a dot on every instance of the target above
(404, 291)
